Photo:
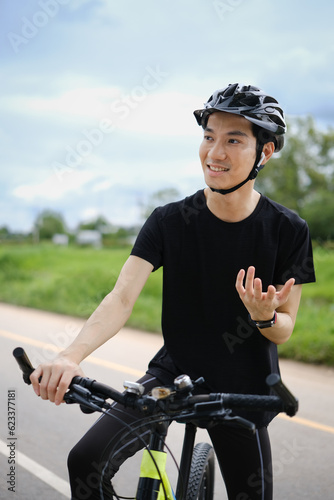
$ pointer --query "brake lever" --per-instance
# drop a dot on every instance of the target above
(85, 398)
(241, 422)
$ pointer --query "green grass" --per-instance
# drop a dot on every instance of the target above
(74, 280)
(313, 337)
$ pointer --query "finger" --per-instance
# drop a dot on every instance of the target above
(249, 283)
(43, 386)
(62, 388)
(54, 381)
(257, 289)
(52, 388)
(64, 383)
(289, 284)
(239, 281)
(34, 379)
(271, 292)
(284, 293)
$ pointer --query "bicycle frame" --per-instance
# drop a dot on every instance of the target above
(153, 480)
(153, 477)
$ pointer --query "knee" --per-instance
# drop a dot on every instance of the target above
(87, 467)
(81, 462)
(85, 473)
(74, 459)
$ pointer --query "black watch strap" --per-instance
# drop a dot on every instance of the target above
(264, 324)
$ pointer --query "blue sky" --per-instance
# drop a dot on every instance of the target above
(97, 96)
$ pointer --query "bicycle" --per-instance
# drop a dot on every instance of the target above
(175, 403)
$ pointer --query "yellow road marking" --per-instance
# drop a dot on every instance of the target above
(91, 359)
(137, 373)
(308, 423)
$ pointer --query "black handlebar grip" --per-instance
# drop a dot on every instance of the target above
(252, 402)
(24, 363)
(289, 401)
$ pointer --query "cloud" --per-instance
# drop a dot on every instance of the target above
(73, 105)
(49, 189)
(105, 92)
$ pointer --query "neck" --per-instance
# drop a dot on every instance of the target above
(233, 207)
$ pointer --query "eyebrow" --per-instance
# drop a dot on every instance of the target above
(232, 132)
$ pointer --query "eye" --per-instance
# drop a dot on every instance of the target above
(233, 141)
(208, 138)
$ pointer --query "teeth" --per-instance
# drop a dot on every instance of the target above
(218, 169)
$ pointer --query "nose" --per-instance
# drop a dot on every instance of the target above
(217, 151)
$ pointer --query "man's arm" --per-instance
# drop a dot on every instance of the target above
(284, 299)
(109, 317)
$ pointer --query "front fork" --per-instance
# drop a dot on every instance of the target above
(153, 481)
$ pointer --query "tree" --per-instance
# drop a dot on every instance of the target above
(302, 176)
(319, 215)
(158, 198)
(4, 232)
(49, 223)
(98, 224)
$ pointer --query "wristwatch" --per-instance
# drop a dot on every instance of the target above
(264, 324)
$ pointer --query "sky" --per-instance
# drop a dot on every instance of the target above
(97, 96)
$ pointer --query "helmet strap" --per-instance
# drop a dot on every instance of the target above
(252, 175)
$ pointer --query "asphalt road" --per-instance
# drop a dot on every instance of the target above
(302, 447)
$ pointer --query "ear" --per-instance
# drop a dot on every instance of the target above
(268, 150)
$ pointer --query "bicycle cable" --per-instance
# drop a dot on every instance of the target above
(142, 422)
(133, 431)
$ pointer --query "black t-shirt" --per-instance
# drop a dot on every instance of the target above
(204, 323)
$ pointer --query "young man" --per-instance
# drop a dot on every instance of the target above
(233, 266)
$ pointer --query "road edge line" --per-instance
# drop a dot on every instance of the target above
(45, 475)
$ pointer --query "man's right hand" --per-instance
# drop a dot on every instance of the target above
(55, 377)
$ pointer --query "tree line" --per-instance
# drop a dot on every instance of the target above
(301, 177)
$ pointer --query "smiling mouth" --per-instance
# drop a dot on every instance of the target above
(218, 169)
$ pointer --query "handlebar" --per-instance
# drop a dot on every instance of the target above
(24, 363)
(173, 401)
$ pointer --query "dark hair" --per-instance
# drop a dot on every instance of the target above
(263, 136)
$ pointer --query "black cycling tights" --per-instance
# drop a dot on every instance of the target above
(244, 458)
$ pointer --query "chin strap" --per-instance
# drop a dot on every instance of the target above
(234, 188)
(252, 175)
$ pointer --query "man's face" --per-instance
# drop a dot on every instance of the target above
(228, 150)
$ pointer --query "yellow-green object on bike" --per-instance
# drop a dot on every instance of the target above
(153, 477)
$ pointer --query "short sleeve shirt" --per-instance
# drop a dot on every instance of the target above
(204, 323)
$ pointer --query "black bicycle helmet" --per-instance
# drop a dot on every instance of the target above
(257, 107)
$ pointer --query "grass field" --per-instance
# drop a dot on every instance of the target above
(74, 280)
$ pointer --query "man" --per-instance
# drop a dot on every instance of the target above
(233, 266)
